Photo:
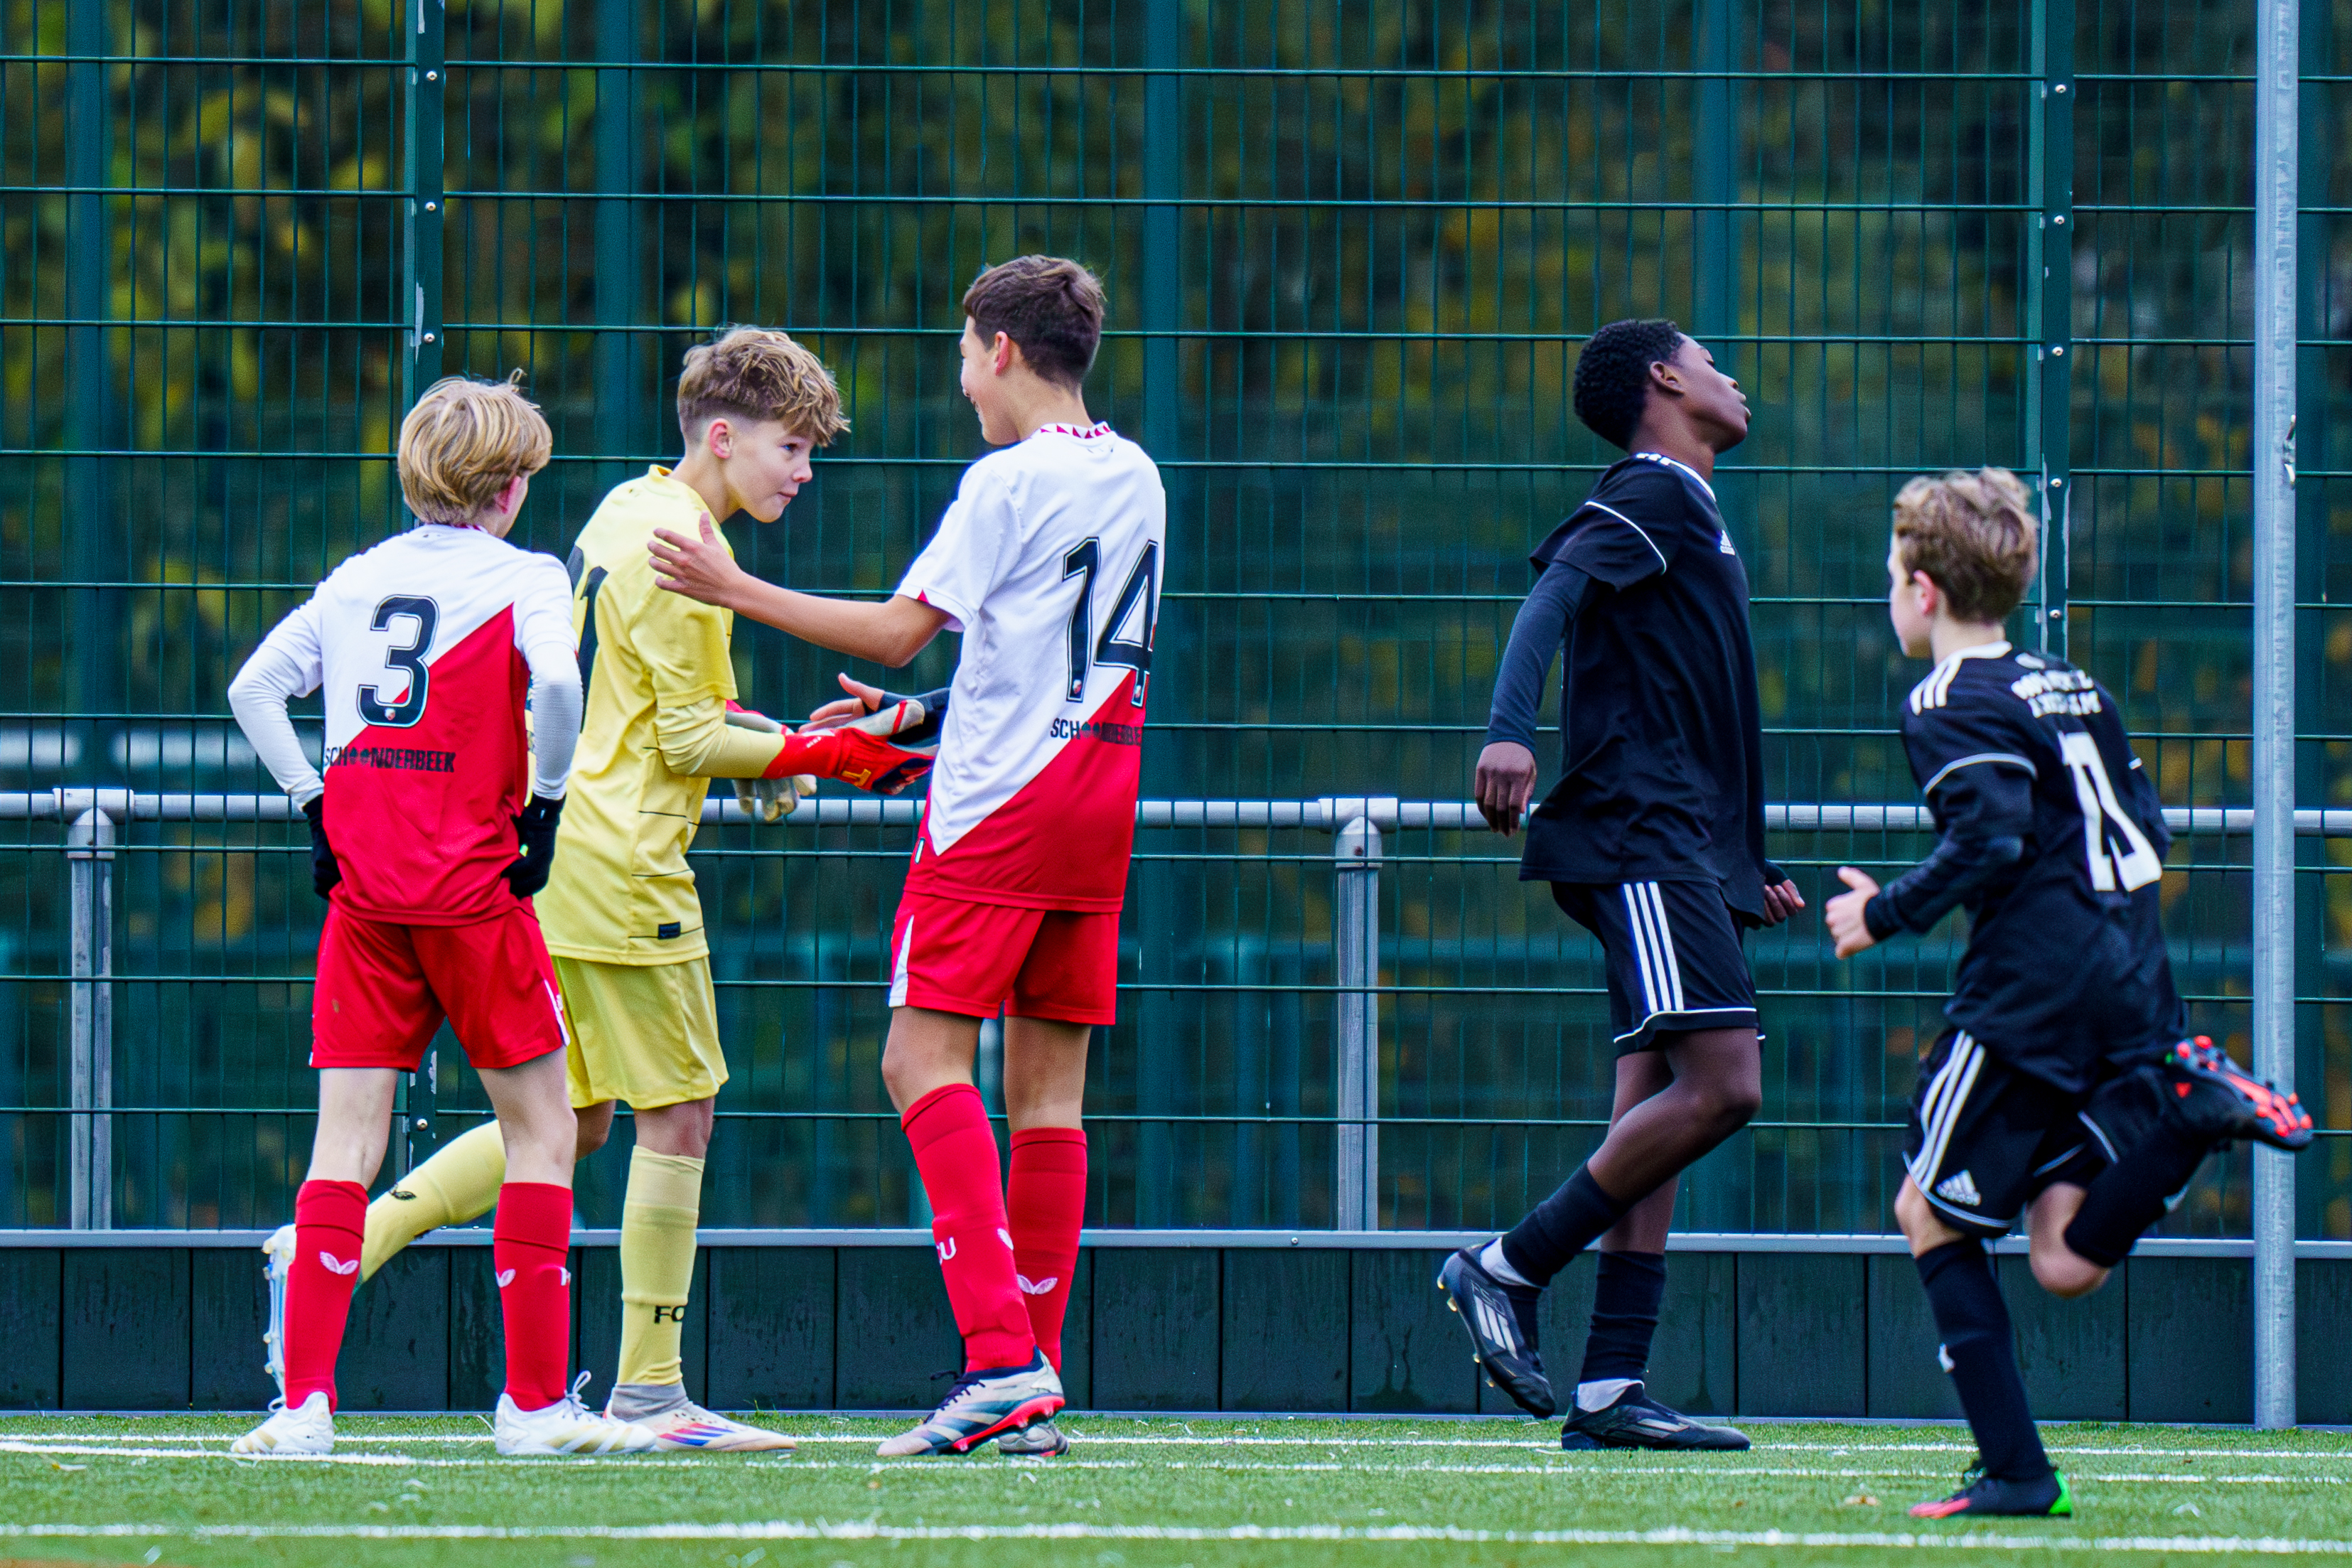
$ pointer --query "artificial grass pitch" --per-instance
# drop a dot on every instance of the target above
(417, 1491)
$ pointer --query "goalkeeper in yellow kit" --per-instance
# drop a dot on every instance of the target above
(620, 912)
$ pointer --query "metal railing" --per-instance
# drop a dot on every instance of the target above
(95, 816)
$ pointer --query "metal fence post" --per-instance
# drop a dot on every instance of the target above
(90, 855)
(1356, 955)
(619, 400)
(422, 173)
(2276, 65)
(2050, 303)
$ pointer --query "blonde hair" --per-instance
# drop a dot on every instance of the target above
(753, 373)
(1974, 535)
(464, 441)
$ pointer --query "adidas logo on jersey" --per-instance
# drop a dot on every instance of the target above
(1723, 542)
(1959, 1189)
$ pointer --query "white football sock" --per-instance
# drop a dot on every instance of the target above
(1603, 1393)
(1492, 1260)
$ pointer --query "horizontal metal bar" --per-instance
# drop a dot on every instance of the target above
(1323, 815)
(1351, 1241)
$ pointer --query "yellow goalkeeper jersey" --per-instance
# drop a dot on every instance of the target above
(620, 892)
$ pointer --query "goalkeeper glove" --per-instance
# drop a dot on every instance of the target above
(324, 872)
(908, 729)
(535, 827)
(766, 800)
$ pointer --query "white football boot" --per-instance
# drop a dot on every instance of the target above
(983, 1406)
(277, 1263)
(566, 1426)
(308, 1430)
(688, 1426)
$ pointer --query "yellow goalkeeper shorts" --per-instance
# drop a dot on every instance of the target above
(647, 1035)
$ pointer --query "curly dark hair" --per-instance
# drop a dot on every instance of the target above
(1612, 375)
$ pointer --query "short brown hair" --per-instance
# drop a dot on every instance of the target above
(1052, 308)
(753, 373)
(1973, 534)
(464, 441)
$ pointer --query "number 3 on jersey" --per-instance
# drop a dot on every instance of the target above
(2137, 865)
(409, 661)
(1142, 591)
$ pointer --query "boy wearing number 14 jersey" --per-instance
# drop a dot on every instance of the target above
(1049, 563)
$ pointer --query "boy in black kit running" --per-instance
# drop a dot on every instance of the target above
(1653, 839)
(2064, 1092)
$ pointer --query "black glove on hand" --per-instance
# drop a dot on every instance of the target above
(535, 825)
(324, 872)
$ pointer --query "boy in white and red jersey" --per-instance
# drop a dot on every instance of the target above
(427, 846)
(1049, 563)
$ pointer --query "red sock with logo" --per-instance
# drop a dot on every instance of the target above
(329, 1219)
(955, 1150)
(530, 1247)
(1046, 1203)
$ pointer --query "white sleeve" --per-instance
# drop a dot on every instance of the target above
(543, 637)
(979, 539)
(286, 664)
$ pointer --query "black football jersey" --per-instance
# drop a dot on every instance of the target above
(2065, 966)
(1662, 771)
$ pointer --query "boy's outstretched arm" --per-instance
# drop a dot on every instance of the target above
(1988, 811)
(892, 633)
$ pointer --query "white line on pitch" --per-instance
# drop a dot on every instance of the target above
(867, 1529)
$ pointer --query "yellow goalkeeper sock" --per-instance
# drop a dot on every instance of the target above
(657, 1220)
(458, 1184)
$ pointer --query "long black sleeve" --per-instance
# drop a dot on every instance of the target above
(1987, 811)
(1536, 636)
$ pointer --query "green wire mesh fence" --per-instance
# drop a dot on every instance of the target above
(1351, 251)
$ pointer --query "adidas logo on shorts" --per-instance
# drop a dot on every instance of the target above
(1959, 1189)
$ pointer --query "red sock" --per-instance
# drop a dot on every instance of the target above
(955, 1150)
(1047, 1201)
(530, 1243)
(328, 1219)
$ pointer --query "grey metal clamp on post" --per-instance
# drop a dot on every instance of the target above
(92, 814)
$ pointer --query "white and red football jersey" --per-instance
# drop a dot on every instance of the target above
(418, 646)
(1049, 562)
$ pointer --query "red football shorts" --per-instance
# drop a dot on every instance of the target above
(384, 989)
(957, 957)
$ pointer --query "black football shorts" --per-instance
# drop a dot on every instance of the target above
(1674, 958)
(1986, 1139)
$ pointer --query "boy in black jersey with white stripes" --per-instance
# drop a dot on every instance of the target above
(2064, 1092)
(1652, 838)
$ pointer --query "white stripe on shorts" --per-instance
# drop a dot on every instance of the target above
(1636, 920)
(1673, 970)
(1947, 1092)
(898, 973)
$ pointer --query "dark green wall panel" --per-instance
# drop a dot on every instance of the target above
(32, 1327)
(1078, 1335)
(1406, 1351)
(126, 1329)
(1285, 1329)
(893, 1330)
(2071, 1352)
(2323, 1336)
(228, 1313)
(396, 1344)
(1695, 1361)
(1802, 1339)
(1905, 1378)
(771, 1328)
(477, 1333)
(2192, 1340)
(1156, 1328)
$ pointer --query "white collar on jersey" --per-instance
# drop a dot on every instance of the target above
(1100, 427)
(436, 522)
(1685, 467)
